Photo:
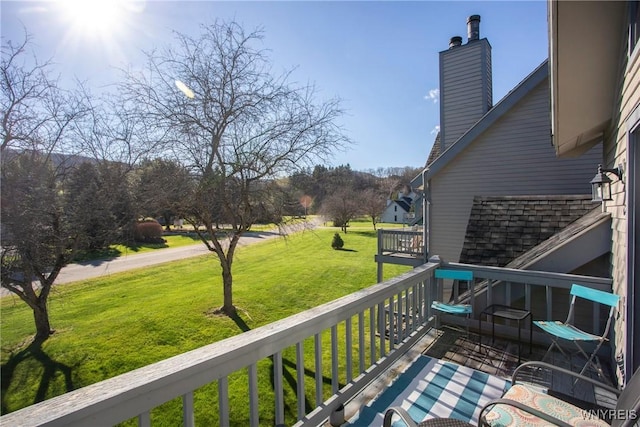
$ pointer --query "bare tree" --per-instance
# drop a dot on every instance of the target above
(215, 101)
(162, 188)
(30, 230)
(37, 116)
(373, 203)
(305, 202)
(52, 203)
(390, 186)
(341, 207)
(112, 131)
(36, 112)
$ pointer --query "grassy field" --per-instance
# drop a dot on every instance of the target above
(105, 327)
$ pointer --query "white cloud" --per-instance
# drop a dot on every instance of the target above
(433, 95)
(435, 130)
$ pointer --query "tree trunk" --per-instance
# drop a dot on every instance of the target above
(227, 285)
(41, 317)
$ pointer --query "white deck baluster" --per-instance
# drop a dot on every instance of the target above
(144, 419)
(334, 360)
(361, 344)
(254, 417)
(300, 379)
(278, 390)
(223, 400)
(372, 333)
(187, 410)
(349, 348)
(381, 328)
(318, 365)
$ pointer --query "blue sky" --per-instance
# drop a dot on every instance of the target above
(379, 57)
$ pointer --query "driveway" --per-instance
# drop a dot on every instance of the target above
(132, 260)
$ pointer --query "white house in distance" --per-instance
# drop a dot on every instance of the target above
(401, 210)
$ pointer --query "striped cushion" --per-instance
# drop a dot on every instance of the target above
(505, 415)
(565, 331)
(431, 388)
(451, 308)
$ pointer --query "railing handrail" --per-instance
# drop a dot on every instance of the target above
(533, 277)
(399, 231)
(145, 388)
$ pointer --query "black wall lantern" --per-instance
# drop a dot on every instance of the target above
(601, 184)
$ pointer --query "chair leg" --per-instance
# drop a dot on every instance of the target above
(550, 349)
(569, 356)
(590, 360)
(468, 320)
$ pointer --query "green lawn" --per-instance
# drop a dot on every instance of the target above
(173, 241)
(109, 326)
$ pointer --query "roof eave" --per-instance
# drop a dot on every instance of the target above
(583, 80)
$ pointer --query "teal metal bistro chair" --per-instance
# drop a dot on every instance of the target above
(569, 333)
(454, 307)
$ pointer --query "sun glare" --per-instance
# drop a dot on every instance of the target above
(102, 28)
(92, 17)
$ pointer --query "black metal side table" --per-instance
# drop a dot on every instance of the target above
(509, 313)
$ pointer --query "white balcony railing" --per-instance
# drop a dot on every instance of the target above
(400, 242)
(136, 393)
(544, 294)
(365, 331)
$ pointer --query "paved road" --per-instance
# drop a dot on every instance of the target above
(106, 267)
(99, 268)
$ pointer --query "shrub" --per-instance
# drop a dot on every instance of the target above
(148, 231)
(337, 242)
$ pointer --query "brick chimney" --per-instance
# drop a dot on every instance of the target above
(466, 92)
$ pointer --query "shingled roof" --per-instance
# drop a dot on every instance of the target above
(435, 150)
(584, 223)
(405, 203)
(500, 229)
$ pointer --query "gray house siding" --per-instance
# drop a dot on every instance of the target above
(621, 149)
(513, 157)
(465, 88)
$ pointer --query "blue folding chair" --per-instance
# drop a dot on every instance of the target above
(567, 331)
(454, 307)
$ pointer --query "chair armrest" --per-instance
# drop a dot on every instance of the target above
(536, 364)
(404, 416)
(522, 407)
